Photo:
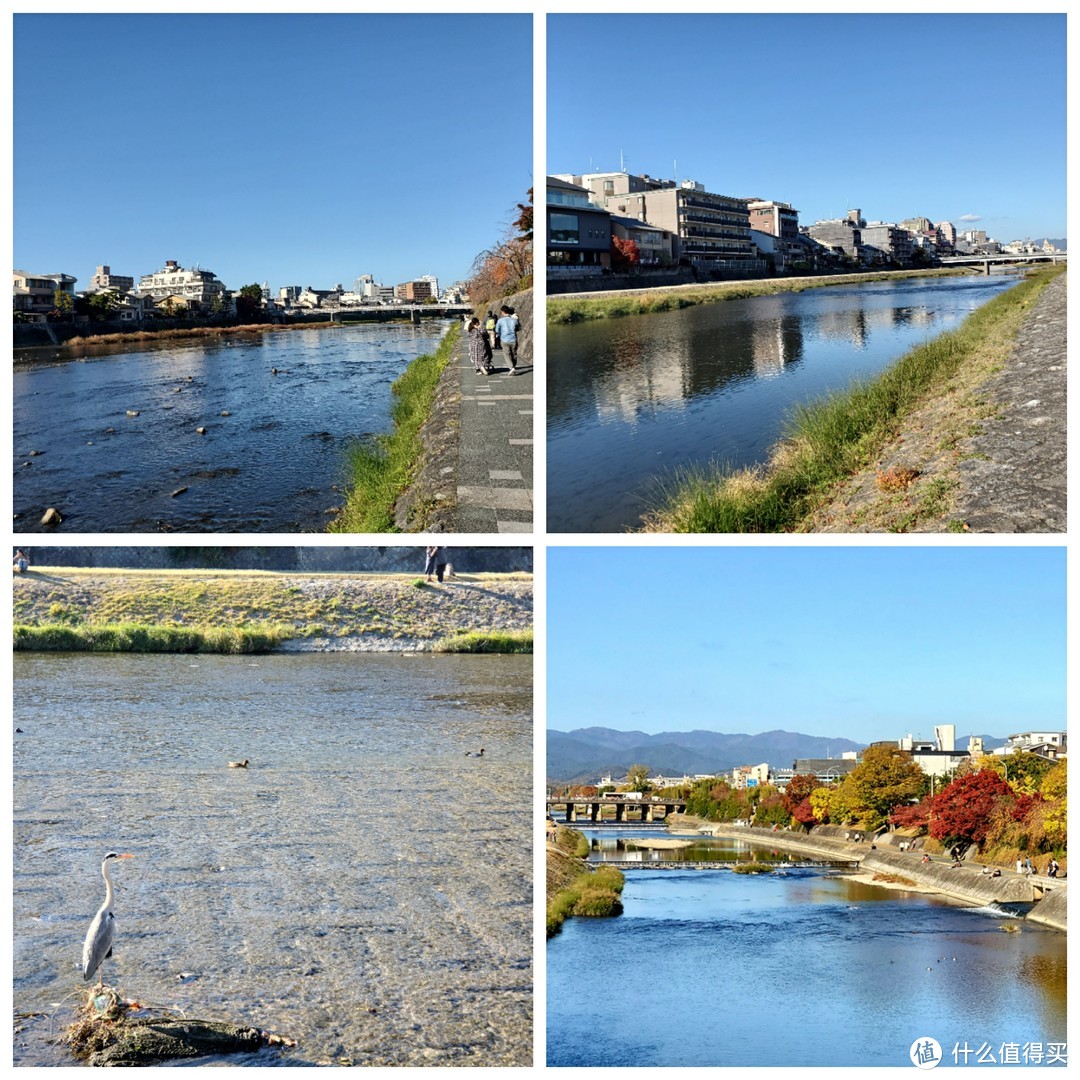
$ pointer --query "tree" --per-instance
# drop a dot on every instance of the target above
(63, 303)
(524, 221)
(799, 787)
(964, 810)
(249, 303)
(638, 775)
(912, 816)
(103, 305)
(1023, 771)
(1055, 811)
(821, 802)
(506, 266)
(624, 254)
(885, 778)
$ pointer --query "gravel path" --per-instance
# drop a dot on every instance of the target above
(1017, 484)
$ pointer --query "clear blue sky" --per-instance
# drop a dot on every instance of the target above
(863, 643)
(298, 149)
(950, 117)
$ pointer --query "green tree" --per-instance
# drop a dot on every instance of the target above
(249, 303)
(63, 302)
(885, 778)
(104, 305)
(638, 776)
(1023, 771)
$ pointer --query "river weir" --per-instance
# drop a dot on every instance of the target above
(230, 433)
(733, 949)
(362, 887)
(634, 400)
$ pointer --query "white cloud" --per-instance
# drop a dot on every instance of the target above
(971, 217)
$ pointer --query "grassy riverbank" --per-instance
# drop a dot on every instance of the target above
(575, 889)
(828, 441)
(381, 470)
(251, 611)
(674, 297)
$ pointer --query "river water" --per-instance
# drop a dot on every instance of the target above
(276, 464)
(796, 967)
(362, 887)
(632, 399)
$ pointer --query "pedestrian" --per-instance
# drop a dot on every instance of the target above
(1027, 863)
(1019, 866)
(1052, 869)
(442, 557)
(429, 563)
(506, 329)
(21, 562)
(489, 326)
(479, 348)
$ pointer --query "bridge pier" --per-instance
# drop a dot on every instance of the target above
(986, 267)
(571, 812)
(594, 811)
(620, 811)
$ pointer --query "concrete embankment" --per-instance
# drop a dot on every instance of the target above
(966, 883)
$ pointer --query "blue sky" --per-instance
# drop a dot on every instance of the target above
(951, 117)
(302, 150)
(864, 643)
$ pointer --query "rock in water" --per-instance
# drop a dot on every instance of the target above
(51, 517)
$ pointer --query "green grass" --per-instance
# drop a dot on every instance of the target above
(595, 894)
(488, 641)
(381, 469)
(675, 297)
(751, 868)
(138, 637)
(830, 440)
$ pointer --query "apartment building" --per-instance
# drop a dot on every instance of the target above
(578, 232)
(198, 288)
(35, 294)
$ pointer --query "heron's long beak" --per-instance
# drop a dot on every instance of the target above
(125, 856)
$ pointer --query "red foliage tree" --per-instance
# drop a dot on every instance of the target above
(797, 792)
(964, 809)
(912, 817)
(803, 813)
(624, 253)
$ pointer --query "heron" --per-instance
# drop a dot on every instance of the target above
(99, 938)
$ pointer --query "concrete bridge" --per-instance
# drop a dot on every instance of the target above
(985, 261)
(591, 808)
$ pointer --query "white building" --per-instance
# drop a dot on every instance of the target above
(195, 286)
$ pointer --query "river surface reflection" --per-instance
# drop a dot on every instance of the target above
(794, 967)
(631, 399)
(362, 887)
(271, 465)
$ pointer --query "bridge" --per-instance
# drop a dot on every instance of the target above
(719, 864)
(985, 260)
(591, 807)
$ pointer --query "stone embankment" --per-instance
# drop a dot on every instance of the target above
(966, 883)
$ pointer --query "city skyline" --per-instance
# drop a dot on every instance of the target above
(857, 643)
(298, 150)
(896, 115)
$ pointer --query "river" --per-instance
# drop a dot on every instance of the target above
(362, 887)
(275, 464)
(631, 400)
(796, 967)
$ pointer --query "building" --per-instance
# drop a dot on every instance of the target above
(313, 298)
(776, 218)
(744, 776)
(710, 232)
(939, 756)
(653, 244)
(841, 234)
(1045, 743)
(106, 281)
(578, 233)
(35, 294)
(893, 241)
(415, 292)
(433, 281)
(917, 225)
(289, 293)
(198, 288)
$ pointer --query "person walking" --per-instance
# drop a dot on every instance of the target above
(437, 558)
(506, 329)
(479, 348)
(492, 333)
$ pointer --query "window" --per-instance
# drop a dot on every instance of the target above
(564, 229)
(609, 187)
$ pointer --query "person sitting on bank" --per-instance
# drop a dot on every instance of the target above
(21, 562)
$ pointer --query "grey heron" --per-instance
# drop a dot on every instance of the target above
(99, 938)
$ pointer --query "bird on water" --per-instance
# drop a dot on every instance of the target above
(475, 753)
(238, 764)
(99, 938)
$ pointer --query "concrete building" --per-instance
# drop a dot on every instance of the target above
(895, 242)
(744, 776)
(776, 218)
(197, 287)
(106, 281)
(578, 233)
(35, 294)
(841, 234)
(917, 225)
(1048, 743)
(415, 292)
(710, 232)
(654, 244)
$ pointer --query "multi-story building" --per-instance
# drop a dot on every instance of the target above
(106, 281)
(888, 238)
(197, 287)
(842, 234)
(653, 244)
(433, 281)
(776, 218)
(414, 292)
(578, 233)
(710, 232)
(917, 225)
(289, 293)
(947, 232)
(35, 294)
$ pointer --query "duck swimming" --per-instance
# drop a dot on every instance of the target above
(238, 764)
(475, 753)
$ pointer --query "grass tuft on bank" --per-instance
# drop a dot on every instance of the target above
(382, 468)
(594, 894)
(578, 309)
(829, 440)
(142, 638)
(488, 641)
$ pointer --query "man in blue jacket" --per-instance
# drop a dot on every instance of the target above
(506, 329)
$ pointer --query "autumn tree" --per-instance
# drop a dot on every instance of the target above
(624, 254)
(885, 778)
(506, 266)
(1023, 771)
(638, 777)
(821, 802)
(964, 810)
(1055, 810)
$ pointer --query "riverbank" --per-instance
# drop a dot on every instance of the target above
(617, 303)
(383, 468)
(905, 871)
(847, 435)
(253, 611)
(573, 886)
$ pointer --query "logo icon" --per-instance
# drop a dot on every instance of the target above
(925, 1053)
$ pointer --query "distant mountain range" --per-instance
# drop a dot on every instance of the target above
(584, 755)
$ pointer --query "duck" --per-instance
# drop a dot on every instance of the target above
(238, 764)
(475, 753)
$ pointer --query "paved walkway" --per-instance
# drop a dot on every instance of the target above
(495, 456)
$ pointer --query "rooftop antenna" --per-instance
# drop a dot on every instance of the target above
(622, 162)
(675, 169)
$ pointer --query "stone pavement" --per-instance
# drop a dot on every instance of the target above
(495, 453)
(1016, 480)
